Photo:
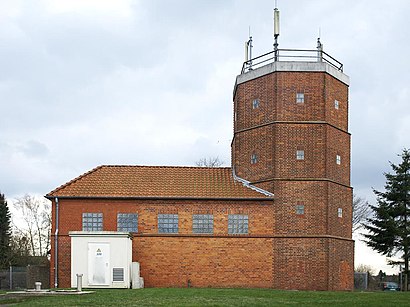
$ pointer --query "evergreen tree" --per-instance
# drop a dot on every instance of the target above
(389, 229)
(5, 232)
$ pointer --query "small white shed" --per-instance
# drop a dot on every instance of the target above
(103, 257)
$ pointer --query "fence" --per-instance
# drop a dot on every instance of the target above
(306, 55)
(361, 281)
(16, 278)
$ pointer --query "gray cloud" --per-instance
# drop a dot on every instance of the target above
(150, 82)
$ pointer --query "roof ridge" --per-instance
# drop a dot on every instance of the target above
(164, 166)
(75, 179)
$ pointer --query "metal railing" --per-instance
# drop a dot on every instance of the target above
(298, 55)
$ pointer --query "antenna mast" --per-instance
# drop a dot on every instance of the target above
(275, 30)
(319, 49)
(248, 51)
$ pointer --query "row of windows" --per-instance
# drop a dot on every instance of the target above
(300, 98)
(300, 155)
(167, 223)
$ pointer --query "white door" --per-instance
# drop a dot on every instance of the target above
(98, 264)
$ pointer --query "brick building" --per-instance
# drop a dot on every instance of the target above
(280, 217)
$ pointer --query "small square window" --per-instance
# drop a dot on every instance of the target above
(300, 97)
(336, 104)
(92, 221)
(300, 209)
(338, 159)
(168, 223)
(237, 224)
(300, 155)
(339, 212)
(254, 159)
(255, 104)
(203, 223)
(127, 222)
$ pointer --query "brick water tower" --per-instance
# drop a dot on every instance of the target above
(291, 138)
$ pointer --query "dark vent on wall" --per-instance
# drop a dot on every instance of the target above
(118, 274)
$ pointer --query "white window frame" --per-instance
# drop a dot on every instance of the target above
(338, 159)
(339, 212)
(300, 154)
(337, 103)
(300, 97)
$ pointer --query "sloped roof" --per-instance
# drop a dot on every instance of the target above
(123, 181)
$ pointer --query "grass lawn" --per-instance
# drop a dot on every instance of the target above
(216, 297)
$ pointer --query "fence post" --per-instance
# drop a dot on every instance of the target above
(11, 278)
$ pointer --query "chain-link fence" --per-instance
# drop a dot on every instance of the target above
(16, 278)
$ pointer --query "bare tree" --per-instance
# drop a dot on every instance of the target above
(365, 268)
(361, 212)
(209, 162)
(35, 223)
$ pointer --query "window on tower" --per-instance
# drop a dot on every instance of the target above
(255, 104)
(338, 159)
(339, 212)
(336, 104)
(300, 97)
(300, 209)
(254, 158)
(300, 154)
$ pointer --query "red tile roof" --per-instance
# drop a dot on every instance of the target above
(157, 182)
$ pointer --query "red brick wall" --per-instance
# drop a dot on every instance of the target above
(301, 263)
(204, 261)
(261, 223)
(275, 131)
(220, 260)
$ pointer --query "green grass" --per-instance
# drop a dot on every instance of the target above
(217, 297)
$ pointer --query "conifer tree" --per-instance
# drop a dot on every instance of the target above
(389, 228)
(5, 232)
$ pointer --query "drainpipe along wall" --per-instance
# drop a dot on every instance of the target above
(56, 247)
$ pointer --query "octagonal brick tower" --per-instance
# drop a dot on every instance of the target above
(291, 138)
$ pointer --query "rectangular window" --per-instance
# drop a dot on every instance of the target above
(300, 209)
(255, 104)
(338, 159)
(127, 222)
(203, 223)
(237, 224)
(300, 155)
(339, 212)
(92, 221)
(336, 104)
(254, 159)
(168, 223)
(300, 97)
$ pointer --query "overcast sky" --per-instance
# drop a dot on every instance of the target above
(85, 83)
